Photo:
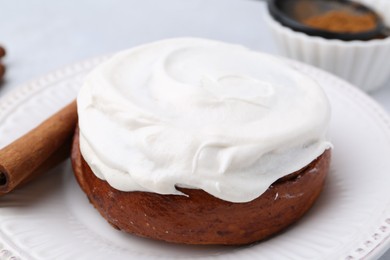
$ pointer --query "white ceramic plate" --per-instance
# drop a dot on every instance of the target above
(52, 219)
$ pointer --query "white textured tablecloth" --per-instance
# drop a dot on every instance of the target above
(43, 35)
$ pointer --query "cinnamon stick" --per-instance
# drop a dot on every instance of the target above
(37, 151)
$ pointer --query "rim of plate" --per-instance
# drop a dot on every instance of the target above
(366, 250)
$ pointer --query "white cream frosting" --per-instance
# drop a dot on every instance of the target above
(199, 113)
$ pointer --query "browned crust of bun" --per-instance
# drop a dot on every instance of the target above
(201, 218)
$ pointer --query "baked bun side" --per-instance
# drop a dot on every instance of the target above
(200, 218)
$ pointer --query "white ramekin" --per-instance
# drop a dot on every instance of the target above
(365, 64)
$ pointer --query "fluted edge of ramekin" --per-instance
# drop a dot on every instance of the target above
(363, 63)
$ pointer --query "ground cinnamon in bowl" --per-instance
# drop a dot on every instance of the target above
(342, 22)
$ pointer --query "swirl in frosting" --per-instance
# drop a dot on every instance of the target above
(201, 114)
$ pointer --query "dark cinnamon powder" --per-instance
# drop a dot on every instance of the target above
(342, 22)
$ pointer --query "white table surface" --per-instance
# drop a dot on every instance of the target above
(43, 35)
